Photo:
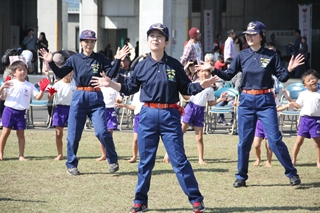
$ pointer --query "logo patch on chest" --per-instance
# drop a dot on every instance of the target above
(171, 74)
(265, 62)
(95, 68)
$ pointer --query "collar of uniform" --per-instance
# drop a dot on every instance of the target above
(85, 56)
(259, 50)
(162, 61)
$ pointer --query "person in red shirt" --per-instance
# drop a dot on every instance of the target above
(219, 64)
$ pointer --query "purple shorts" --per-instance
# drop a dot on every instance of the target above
(260, 133)
(194, 115)
(112, 120)
(309, 127)
(136, 123)
(60, 115)
(14, 119)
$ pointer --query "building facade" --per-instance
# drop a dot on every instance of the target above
(115, 20)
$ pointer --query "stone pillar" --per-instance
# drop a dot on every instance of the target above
(52, 26)
(89, 14)
(155, 11)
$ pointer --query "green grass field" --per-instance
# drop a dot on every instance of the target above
(42, 185)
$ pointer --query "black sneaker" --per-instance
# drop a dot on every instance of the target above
(198, 207)
(137, 208)
(295, 180)
(239, 183)
(114, 167)
(73, 171)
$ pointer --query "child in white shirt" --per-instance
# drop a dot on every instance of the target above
(110, 97)
(17, 94)
(136, 107)
(309, 103)
(61, 93)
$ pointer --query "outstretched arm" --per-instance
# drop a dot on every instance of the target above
(105, 81)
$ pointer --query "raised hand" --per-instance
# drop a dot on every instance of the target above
(209, 82)
(45, 55)
(43, 84)
(8, 78)
(295, 62)
(123, 52)
(204, 66)
(224, 96)
(51, 90)
(103, 81)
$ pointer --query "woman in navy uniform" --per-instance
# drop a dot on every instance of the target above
(161, 78)
(87, 100)
(257, 65)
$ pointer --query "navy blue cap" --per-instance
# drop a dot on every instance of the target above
(88, 35)
(255, 27)
(158, 26)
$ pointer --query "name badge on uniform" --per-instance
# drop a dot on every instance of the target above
(265, 62)
(171, 74)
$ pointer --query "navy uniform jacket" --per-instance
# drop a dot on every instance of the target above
(85, 67)
(160, 82)
(257, 69)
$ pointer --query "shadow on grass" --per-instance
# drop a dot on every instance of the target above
(15, 200)
(244, 209)
(29, 158)
(306, 165)
(302, 186)
(155, 172)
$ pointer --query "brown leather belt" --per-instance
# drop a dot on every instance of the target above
(89, 89)
(256, 91)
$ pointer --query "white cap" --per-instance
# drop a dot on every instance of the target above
(17, 58)
(27, 54)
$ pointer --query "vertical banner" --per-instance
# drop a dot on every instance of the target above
(305, 15)
(208, 31)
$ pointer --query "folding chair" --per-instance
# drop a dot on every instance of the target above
(215, 110)
(294, 114)
(35, 103)
(126, 113)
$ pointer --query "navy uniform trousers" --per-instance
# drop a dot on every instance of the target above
(88, 103)
(251, 108)
(164, 123)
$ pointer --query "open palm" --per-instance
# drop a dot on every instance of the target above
(45, 55)
(295, 62)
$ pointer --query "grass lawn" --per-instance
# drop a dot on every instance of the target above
(42, 185)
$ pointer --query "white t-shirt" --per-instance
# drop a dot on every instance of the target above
(198, 51)
(310, 103)
(109, 96)
(229, 50)
(203, 97)
(137, 103)
(20, 95)
(64, 93)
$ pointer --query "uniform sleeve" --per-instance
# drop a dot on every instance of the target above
(186, 87)
(111, 71)
(64, 70)
(132, 85)
(233, 69)
(280, 72)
